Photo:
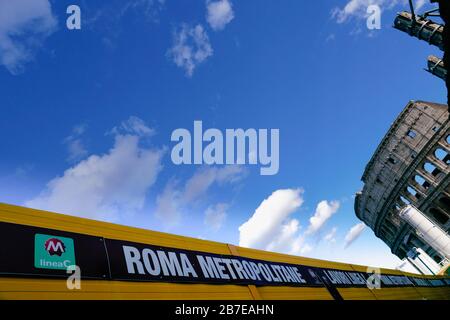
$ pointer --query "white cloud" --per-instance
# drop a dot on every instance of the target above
(358, 8)
(354, 233)
(135, 126)
(270, 226)
(104, 187)
(331, 236)
(420, 4)
(288, 240)
(380, 254)
(175, 199)
(306, 249)
(330, 37)
(323, 212)
(190, 48)
(75, 145)
(202, 180)
(168, 204)
(24, 25)
(149, 8)
(219, 14)
(76, 149)
(215, 215)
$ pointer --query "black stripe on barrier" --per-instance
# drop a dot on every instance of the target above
(29, 251)
(41, 252)
(143, 262)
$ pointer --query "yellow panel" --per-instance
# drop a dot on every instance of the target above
(14, 288)
(76, 295)
(356, 294)
(97, 289)
(397, 294)
(360, 268)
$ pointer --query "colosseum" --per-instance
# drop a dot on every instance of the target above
(410, 166)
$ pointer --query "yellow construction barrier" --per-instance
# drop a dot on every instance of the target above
(119, 262)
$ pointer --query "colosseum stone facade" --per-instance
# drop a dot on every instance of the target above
(410, 166)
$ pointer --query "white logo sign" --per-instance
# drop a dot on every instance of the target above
(236, 146)
(73, 21)
(374, 17)
(74, 280)
(374, 280)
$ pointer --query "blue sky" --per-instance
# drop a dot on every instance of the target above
(87, 114)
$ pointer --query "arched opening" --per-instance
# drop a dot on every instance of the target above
(445, 203)
(412, 134)
(442, 155)
(421, 181)
(392, 160)
(431, 168)
(404, 200)
(414, 241)
(411, 191)
(402, 253)
(438, 215)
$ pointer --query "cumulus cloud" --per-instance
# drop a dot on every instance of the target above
(105, 19)
(323, 212)
(190, 47)
(272, 227)
(331, 236)
(134, 126)
(24, 25)
(288, 240)
(215, 215)
(175, 198)
(306, 249)
(354, 233)
(202, 180)
(269, 227)
(149, 8)
(358, 8)
(104, 187)
(168, 204)
(75, 145)
(219, 14)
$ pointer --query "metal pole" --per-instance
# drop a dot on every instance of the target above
(413, 14)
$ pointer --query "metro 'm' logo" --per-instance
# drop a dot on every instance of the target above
(55, 246)
(53, 252)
